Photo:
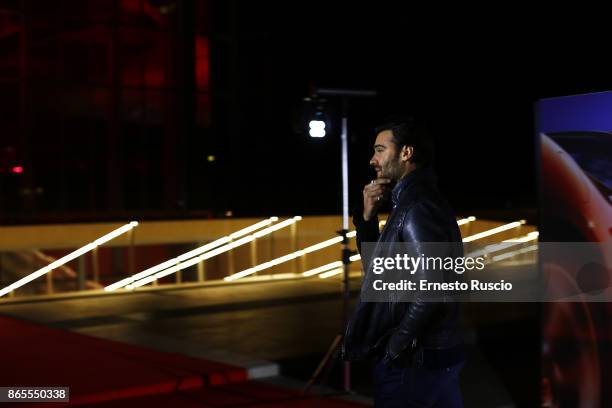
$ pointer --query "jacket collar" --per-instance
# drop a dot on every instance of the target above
(419, 175)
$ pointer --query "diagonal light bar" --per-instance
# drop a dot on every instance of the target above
(323, 268)
(505, 244)
(287, 257)
(467, 220)
(263, 266)
(161, 266)
(276, 227)
(337, 264)
(227, 247)
(533, 235)
(65, 259)
(144, 280)
(252, 228)
(187, 255)
(494, 231)
(507, 255)
(320, 245)
(166, 272)
(333, 272)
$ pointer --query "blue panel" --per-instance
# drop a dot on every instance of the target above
(588, 112)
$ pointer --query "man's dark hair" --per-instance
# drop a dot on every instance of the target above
(409, 132)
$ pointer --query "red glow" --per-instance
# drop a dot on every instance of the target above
(17, 169)
(202, 63)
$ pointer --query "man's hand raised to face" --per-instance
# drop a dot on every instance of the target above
(374, 194)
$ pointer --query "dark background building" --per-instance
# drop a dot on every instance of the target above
(170, 109)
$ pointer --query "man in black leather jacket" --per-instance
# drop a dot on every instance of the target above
(417, 345)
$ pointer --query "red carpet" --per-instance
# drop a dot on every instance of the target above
(105, 373)
(242, 395)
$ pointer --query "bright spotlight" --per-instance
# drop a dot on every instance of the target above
(316, 128)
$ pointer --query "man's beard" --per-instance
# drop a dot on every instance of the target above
(392, 170)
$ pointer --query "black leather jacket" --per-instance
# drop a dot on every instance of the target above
(394, 330)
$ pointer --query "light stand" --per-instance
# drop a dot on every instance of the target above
(345, 95)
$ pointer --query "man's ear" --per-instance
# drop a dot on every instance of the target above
(406, 153)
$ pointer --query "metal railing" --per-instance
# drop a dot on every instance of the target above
(319, 255)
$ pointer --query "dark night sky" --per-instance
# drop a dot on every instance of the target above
(474, 79)
(476, 87)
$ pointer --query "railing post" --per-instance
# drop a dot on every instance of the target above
(254, 252)
(95, 265)
(294, 246)
(201, 267)
(178, 276)
(230, 262)
(201, 272)
(49, 283)
(303, 265)
(81, 272)
(272, 245)
(131, 253)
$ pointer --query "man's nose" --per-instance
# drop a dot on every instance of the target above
(372, 162)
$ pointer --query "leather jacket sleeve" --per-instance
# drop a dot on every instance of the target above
(367, 231)
(421, 225)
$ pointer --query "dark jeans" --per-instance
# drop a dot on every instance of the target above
(417, 387)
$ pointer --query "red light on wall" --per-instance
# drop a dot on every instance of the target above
(17, 170)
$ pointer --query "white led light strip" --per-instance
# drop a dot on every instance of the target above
(188, 255)
(467, 220)
(514, 253)
(338, 267)
(493, 231)
(288, 257)
(331, 273)
(505, 244)
(323, 268)
(75, 254)
(173, 267)
(533, 235)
